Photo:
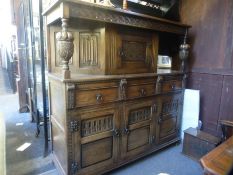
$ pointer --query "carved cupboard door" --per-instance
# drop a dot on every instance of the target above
(136, 128)
(96, 145)
(169, 119)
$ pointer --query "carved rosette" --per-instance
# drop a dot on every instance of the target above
(65, 46)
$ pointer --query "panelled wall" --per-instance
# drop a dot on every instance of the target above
(211, 60)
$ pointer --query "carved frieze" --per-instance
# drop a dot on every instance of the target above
(96, 125)
(113, 16)
(139, 115)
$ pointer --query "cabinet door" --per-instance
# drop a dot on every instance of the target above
(169, 119)
(136, 128)
(98, 140)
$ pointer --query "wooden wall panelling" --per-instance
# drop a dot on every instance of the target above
(211, 33)
(210, 87)
(226, 109)
(211, 58)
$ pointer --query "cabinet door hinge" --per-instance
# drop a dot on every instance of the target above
(74, 168)
(151, 139)
(155, 108)
(74, 126)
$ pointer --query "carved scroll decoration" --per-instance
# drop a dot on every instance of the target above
(123, 84)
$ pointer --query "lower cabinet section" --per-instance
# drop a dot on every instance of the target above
(95, 139)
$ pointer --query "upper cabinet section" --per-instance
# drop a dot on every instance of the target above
(92, 39)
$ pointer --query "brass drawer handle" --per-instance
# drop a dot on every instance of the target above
(99, 98)
(142, 92)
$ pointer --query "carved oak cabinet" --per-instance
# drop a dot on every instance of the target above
(109, 104)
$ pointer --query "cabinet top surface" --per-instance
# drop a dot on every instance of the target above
(85, 77)
(91, 11)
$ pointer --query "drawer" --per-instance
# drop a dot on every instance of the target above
(98, 93)
(140, 88)
(171, 85)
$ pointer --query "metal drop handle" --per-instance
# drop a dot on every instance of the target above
(99, 98)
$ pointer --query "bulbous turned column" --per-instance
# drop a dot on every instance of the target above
(65, 47)
(184, 52)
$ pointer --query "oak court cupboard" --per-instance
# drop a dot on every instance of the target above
(109, 104)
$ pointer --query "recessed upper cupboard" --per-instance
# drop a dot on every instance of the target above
(104, 49)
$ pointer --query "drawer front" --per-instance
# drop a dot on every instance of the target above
(93, 94)
(172, 85)
(140, 88)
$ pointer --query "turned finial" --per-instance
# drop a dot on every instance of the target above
(184, 51)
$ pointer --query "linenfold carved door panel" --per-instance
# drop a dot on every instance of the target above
(136, 128)
(96, 144)
(169, 118)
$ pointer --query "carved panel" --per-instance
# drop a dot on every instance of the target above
(97, 151)
(97, 125)
(112, 50)
(134, 51)
(170, 106)
(89, 49)
(139, 115)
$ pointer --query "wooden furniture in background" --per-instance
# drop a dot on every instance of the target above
(227, 129)
(198, 143)
(220, 160)
(121, 107)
